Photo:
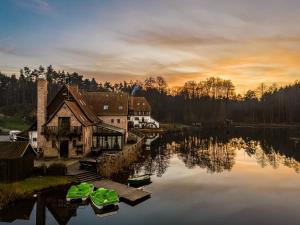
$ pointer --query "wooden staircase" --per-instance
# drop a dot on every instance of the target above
(82, 174)
(88, 176)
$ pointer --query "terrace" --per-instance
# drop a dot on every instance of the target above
(62, 131)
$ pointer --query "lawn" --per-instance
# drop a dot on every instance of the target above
(12, 123)
(173, 125)
(21, 189)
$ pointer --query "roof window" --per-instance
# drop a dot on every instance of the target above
(82, 102)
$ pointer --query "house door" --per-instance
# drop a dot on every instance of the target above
(64, 149)
(63, 125)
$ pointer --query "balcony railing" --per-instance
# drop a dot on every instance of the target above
(62, 131)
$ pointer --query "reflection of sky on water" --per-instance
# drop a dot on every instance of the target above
(247, 194)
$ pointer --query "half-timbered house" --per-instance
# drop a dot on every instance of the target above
(68, 126)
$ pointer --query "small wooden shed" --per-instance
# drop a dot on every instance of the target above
(16, 160)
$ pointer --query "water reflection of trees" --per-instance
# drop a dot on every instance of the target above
(208, 153)
(267, 155)
(270, 147)
(157, 161)
(216, 151)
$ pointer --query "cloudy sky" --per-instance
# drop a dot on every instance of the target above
(246, 41)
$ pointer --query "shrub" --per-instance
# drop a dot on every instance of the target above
(40, 170)
(57, 169)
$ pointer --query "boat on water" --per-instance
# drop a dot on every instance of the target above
(103, 197)
(80, 192)
(139, 180)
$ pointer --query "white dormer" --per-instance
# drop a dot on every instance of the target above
(82, 102)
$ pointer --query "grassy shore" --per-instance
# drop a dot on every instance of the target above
(12, 123)
(173, 126)
(167, 127)
(12, 191)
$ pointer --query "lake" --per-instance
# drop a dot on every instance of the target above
(246, 176)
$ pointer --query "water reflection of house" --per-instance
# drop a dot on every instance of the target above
(150, 140)
(73, 123)
(20, 210)
(58, 207)
(51, 202)
(54, 203)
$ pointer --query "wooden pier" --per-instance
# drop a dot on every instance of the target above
(127, 194)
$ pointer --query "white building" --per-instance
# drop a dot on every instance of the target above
(32, 137)
(140, 113)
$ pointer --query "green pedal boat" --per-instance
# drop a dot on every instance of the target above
(80, 192)
(104, 197)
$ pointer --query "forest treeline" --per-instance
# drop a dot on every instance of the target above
(209, 101)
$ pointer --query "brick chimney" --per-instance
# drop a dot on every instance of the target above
(42, 92)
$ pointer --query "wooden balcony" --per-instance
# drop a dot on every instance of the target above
(62, 131)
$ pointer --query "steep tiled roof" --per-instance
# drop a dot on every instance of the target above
(108, 103)
(139, 104)
(82, 102)
(78, 113)
(13, 150)
(110, 127)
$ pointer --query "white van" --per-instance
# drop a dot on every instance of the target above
(13, 134)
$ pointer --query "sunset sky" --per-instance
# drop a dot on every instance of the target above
(247, 41)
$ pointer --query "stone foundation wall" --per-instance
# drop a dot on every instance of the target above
(108, 165)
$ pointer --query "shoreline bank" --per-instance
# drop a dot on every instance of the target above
(266, 125)
(168, 127)
(181, 127)
(10, 192)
